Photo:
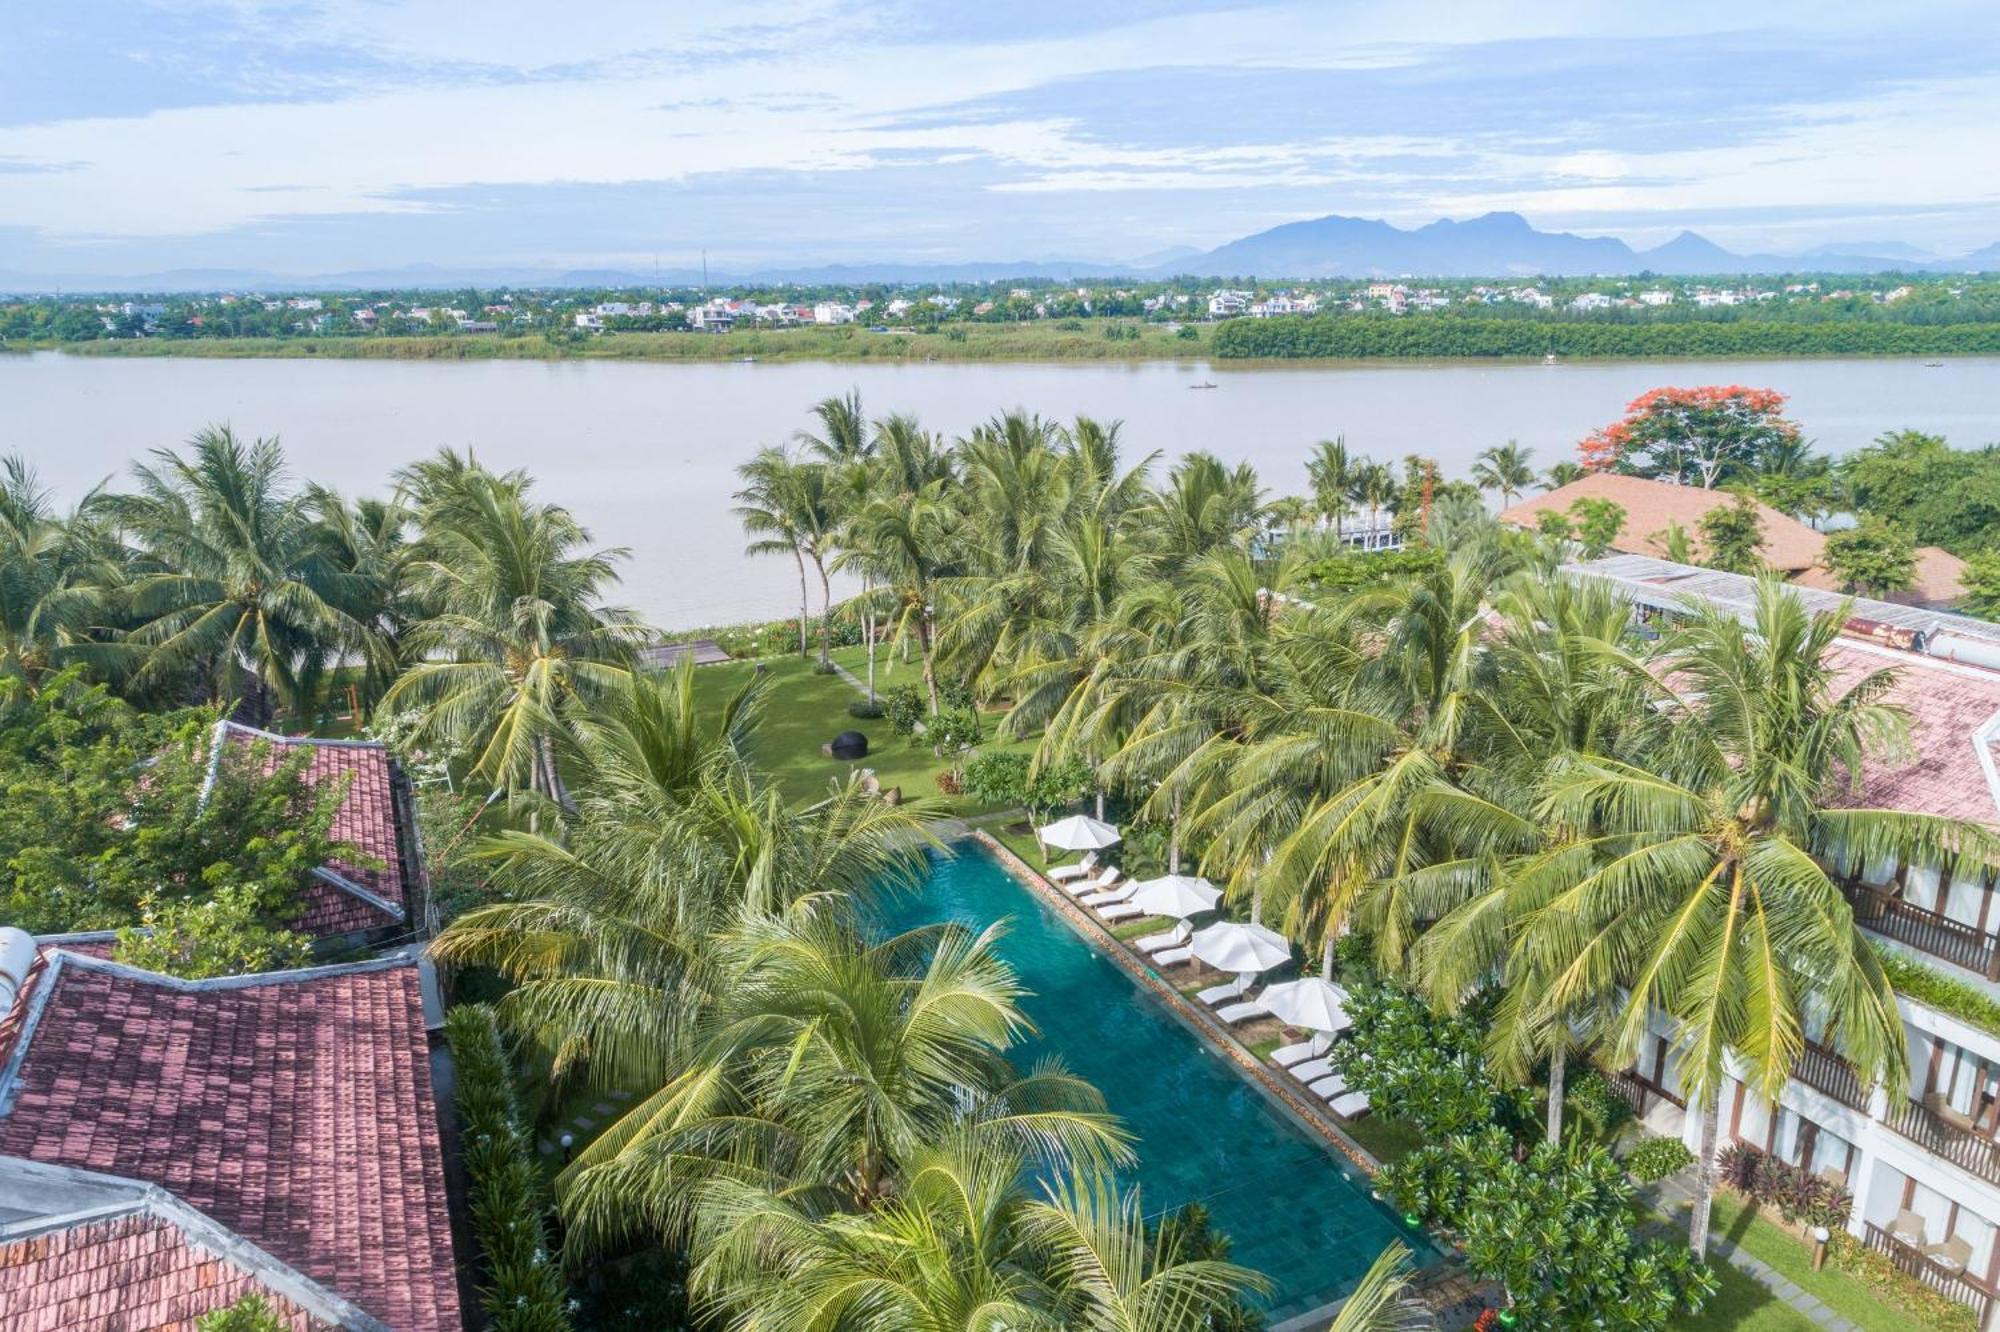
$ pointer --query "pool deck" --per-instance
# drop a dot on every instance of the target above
(1308, 1113)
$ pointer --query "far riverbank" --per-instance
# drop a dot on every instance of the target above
(1328, 342)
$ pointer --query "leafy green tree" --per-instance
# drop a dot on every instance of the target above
(1732, 534)
(1598, 523)
(87, 843)
(1702, 436)
(1558, 1230)
(228, 933)
(1876, 557)
(249, 1314)
(1981, 581)
(790, 507)
(1416, 1064)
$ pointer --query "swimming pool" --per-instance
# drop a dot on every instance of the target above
(1295, 1211)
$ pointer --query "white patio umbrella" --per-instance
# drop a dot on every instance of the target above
(1312, 1003)
(1176, 895)
(1078, 832)
(1231, 945)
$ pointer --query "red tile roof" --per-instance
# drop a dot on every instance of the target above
(1948, 706)
(367, 819)
(294, 1108)
(1651, 505)
(135, 1273)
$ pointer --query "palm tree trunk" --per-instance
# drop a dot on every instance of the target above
(924, 647)
(1326, 958)
(1174, 837)
(825, 614)
(805, 610)
(1704, 1172)
(1100, 804)
(867, 600)
(1557, 1071)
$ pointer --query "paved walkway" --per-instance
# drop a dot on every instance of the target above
(1674, 1193)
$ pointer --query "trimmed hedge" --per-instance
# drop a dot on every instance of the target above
(1940, 991)
(523, 1289)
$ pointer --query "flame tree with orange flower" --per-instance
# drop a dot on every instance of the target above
(1694, 436)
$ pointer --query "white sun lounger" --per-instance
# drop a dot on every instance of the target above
(1328, 1087)
(1172, 956)
(1084, 889)
(1110, 896)
(1174, 938)
(1120, 911)
(1312, 1068)
(1235, 1013)
(1222, 994)
(1081, 869)
(1287, 1055)
(1348, 1105)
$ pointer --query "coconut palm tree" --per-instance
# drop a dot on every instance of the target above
(367, 544)
(1504, 468)
(1374, 487)
(1332, 470)
(513, 630)
(232, 580)
(1381, 1301)
(907, 542)
(965, 1244)
(843, 436)
(56, 574)
(1692, 876)
(790, 506)
(1560, 474)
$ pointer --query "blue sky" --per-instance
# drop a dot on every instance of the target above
(320, 135)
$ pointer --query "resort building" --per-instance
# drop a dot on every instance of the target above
(1923, 1169)
(1653, 509)
(168, 1146)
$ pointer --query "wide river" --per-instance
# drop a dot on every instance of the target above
(645, 453)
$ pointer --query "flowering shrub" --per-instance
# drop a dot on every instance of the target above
(1656, 1158)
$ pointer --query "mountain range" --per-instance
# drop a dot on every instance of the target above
(1493, 245)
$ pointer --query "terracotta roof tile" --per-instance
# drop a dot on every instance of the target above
(1651, 505)
(296, 1110)
(1947, 706)
(133, 1273)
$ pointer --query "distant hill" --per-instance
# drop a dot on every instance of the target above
(1501, 245)
(1493, 245)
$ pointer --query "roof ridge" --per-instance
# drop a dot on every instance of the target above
(328, 875)
(323, 742)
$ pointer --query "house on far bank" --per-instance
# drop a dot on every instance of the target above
(1789, 547)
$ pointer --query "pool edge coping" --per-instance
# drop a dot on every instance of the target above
(1204, 1028)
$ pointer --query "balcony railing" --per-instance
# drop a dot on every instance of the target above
(1637, 1091)
(1822, 1069)
(1954, 1284)
(1961, 1146)
(1923, 929)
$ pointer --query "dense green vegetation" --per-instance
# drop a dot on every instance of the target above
(1537, 827)
(1371, 336)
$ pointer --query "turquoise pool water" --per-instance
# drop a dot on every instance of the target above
(1295, 1211)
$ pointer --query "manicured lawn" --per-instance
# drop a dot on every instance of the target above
(1840, 1291)
(1741, 1305)
(802, 711)
(1386, 1139)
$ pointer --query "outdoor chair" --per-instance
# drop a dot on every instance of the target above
(1910, 1229)
(1952, 1255)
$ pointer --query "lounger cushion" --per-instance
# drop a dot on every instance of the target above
(1235, 1013)
(1120, 911)
(1327, 1088)
(1172, 956)
(1313, 1068)
(1348, 1104)
(1222, 994)
(1286, 1056)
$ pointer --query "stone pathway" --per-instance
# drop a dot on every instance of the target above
(1673, 1193)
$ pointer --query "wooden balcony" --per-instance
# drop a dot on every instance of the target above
(1639, 1092)
(1969, 1151)
(1952, 1283)
(1825, 1071)
(1924, 930)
